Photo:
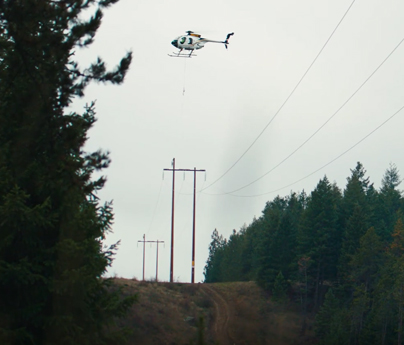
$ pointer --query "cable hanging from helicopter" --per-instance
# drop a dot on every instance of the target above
(192, 41)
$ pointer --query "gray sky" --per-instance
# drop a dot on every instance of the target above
(230, 97)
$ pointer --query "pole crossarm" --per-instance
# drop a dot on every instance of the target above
(151, 241)
(184, 170)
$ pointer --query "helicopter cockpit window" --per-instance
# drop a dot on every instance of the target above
(189, 40)
(182, 40)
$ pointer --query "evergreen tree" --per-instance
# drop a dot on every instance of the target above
(212, 270)
(363, 277)
(269, 245)
(232, 259)
(354, 230)
(280, 288)
(355, 193)
(332, 323)
(52, 225)
(389, 202)
(365, 263)
(250, 257)
(396, 262)
(319, 235)
(324, 317)
(285, 239)
(355, 217)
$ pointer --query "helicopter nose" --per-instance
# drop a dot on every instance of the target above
(175, 43)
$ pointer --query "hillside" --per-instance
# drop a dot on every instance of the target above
(233, 313)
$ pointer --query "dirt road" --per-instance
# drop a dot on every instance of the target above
(224, 314)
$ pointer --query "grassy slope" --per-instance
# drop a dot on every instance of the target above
(168, 313)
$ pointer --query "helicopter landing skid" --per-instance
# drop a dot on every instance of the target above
(181, 55)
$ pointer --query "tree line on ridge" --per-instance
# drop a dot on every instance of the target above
(339, 253)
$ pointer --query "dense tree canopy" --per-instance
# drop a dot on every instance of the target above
(51, 223)
(340, 252)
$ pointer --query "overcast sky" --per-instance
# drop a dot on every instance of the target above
(207, 111)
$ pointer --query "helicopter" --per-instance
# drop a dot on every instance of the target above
(192, 41)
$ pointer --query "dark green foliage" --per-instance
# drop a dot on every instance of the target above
(280, 288)
(276, 242)
(348, 243)
(232, 261)
(326, 314)
(366, 261)
(354, 216)
(338, 330)
(319, 236)
(212, 271)
(52, 226)
(389, 203)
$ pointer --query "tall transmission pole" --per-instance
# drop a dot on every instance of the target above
(172, 223)
(144, 251)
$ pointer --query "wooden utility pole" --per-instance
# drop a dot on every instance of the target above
(144, 251)
(172, 224)
(193, 231)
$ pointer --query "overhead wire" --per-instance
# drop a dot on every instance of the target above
(322, 126)
(155, 207)
(286, 100)
(325, 165)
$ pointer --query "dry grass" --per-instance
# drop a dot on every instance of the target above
(167, 313)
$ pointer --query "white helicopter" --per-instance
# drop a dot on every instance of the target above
(192, 41)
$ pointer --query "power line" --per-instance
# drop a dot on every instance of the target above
(325, 165)
(323, 125)
(287, 99)
(155, 208)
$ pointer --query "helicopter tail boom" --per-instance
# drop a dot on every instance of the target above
(225, 42)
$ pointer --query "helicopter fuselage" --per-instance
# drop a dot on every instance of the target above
(188, 42)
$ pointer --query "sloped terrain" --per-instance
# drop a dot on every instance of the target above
(231, 313)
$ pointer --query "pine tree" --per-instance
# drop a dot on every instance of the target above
(280, 288)
(355, 218)
(331, 323)
(52, 225)
(232, 257)
(269, 246)
(325, 315)
(319, 235)
(212, 270)
(355, 193)
(354, 230)
(365, 263)
(396, 254)
(389, 202)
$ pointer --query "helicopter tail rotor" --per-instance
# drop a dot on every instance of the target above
(226, 42)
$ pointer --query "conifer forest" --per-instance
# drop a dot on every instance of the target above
(51, 221)
(338, 252)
